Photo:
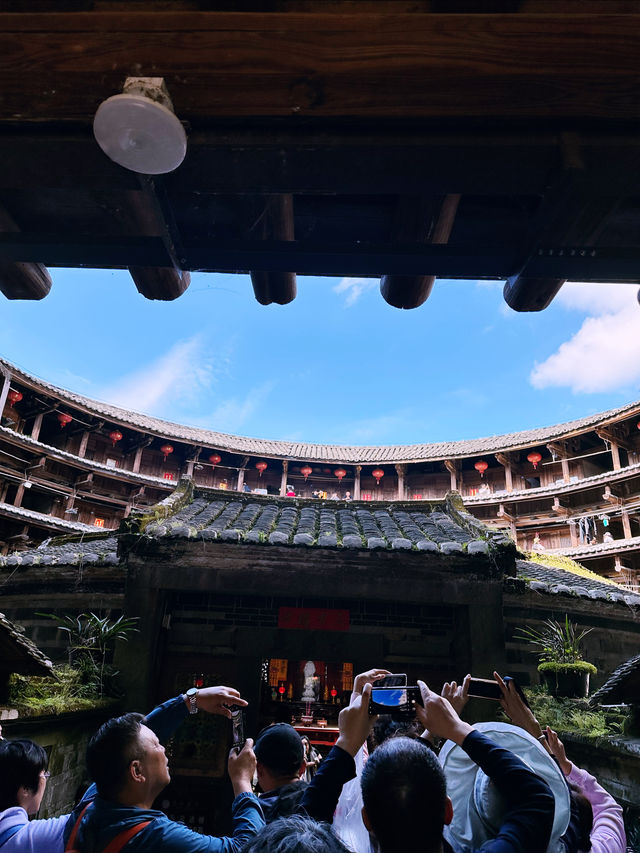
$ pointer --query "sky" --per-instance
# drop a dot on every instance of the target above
(337, 365)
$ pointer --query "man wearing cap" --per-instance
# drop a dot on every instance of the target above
(279, 753)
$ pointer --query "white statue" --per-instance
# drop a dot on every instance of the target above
(311, 683)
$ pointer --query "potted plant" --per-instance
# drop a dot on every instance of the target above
(562, 668)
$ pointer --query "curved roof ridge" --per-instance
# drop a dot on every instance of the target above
(330, 453)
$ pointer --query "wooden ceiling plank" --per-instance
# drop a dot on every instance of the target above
(60, 66)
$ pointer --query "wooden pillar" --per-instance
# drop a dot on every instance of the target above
(452, 468)
(37, 426)
(83, 443)
(565, 470)
(17, 501)
(504, 460)
(573, 534)
(400, 471)
(3, 493)
(137, 459)
(5, 390)
(626, 524)
(356, 483)
(283, 479)
(615, 456)
(240, 482)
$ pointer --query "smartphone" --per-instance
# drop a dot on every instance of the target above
(237, 727)
(485, 688)
(399, 702)
(396, 679)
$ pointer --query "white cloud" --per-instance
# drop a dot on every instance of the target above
(355, 287)
(176, 378)
(231, 415)
(604, 355)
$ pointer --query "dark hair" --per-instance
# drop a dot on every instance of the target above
(279, 747)
(21, 763)
(581, 816)
(385, 727)
(404, 793)
(111, 750)
(296, 834)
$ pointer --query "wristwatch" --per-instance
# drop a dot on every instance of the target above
(191, 694)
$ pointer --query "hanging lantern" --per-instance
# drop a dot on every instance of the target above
(305, 471)
(166, 449)
(333, 693)
(262, 467)
(215, 459)
(340, 473)
(14, 397)
(638, 424)
(115, 436)
(534, 458)
(378, 473)
(481, 466)
(64, 419)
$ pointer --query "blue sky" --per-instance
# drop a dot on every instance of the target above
(338, 365)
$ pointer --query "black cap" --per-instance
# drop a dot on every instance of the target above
(280, 749)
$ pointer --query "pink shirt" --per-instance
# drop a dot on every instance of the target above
(607, 835)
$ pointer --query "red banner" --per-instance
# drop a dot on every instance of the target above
(313, 619)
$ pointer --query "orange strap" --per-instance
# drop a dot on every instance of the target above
(117, 842)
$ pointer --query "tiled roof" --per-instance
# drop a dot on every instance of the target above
(328, 452)
(622, 687)
(19, 654)
(330, 524)
(600, 549)
(101, 550)
(549, 579)
(50, 521)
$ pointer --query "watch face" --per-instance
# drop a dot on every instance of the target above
(192, 691)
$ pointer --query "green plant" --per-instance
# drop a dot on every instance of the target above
(63, 692)
(91, 640)
(559, 643)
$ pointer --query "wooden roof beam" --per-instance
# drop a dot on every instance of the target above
(559, 508)
(152, 217)
(569, 216)
(276, 222)
(613, 437)
(21, 280)
(412, 291)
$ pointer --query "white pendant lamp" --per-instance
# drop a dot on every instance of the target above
(139, 130)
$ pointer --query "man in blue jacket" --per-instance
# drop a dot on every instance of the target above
(129, 767)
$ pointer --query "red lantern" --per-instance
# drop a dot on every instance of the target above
(534, 458)
(261, 466)
(481, 466)
(333, 692)
(378, 473)
(64, 419)
(199, 681)
(281, 689)
(340, 473)
(166, 449)
(14, 397)
(638, 424)
(215, 459)
(115, 436)
(305, 471)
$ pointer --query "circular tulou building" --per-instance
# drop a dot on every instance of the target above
(284, 569)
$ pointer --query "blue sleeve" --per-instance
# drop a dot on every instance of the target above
(321, 795)
(528, 820)
(171, 837)
(165, 718)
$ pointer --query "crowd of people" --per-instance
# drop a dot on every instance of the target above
(431, 783)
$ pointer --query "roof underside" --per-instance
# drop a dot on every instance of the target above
(329, 138)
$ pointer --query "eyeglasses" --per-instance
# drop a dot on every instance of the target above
(46, 774)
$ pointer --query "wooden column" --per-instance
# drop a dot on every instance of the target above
(137, 459)
(356, 483)
(37, 426)
(17, 501)
(452, 468)
(615, 456)
(400, 471)
(240, 482)
(573, 534)
(3, 493)
(5, 390)
(283, 479)
(504, 460)
(83, 445)
(626, 524)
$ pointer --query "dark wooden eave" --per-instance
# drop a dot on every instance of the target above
(313, 127)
